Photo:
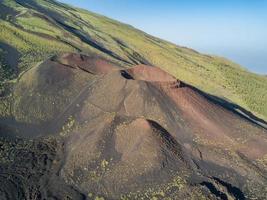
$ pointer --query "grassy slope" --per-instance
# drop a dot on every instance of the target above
(38, 29)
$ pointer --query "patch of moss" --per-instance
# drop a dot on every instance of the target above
(68, 126)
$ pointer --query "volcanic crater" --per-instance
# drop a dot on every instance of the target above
(105, 131)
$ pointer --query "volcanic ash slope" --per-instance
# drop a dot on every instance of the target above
(131, 133)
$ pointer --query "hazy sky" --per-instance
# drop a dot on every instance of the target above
(236, 29)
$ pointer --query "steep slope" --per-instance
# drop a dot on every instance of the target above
(82, 127)
(33, 30)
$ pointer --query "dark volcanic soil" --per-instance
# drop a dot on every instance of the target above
(83, 128)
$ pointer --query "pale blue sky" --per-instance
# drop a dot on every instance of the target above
(236, 29)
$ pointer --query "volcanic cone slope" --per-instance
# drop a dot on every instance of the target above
(90, 129)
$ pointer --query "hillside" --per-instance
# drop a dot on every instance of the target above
(33, 30)
(84, 128)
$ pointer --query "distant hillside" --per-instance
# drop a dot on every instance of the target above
(33, 30)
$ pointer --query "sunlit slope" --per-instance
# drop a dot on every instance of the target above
(34, 30)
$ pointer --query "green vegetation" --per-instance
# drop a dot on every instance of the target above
(5, 70)
(251, 88)
(68, 126)
(39, 33)
(32, 48)
(5, 107)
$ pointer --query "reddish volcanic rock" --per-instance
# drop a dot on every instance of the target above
(92, 64)
(150, 73)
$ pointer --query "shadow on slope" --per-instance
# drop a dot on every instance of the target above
(236, 109)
